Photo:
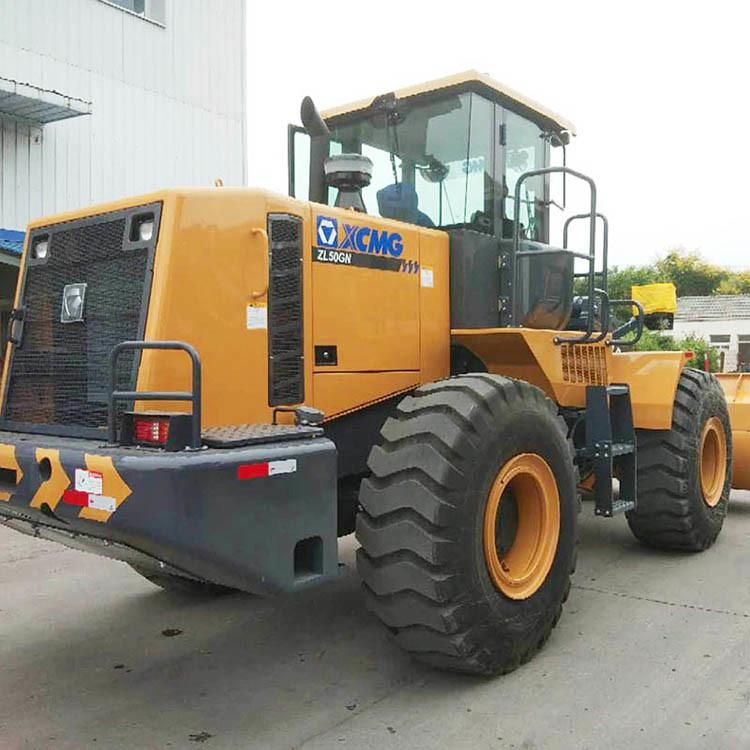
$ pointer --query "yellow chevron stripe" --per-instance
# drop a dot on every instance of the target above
(8, 461)
(50, 490)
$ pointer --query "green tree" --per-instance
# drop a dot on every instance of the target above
(735, 283)
(690, 273)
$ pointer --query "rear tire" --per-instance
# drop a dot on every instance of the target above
(180, 584)
(427, 510)
(684, 474)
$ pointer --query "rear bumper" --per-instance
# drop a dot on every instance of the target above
(193, 512)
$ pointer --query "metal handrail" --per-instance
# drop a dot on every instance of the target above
(604, 316)
(193, 396)
(605, 242)
(588, 336)
(627, 327)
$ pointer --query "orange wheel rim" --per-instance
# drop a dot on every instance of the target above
(713, 461)
(521, 525)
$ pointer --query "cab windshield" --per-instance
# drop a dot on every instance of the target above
(445, 161)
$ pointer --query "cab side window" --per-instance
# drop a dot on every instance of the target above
(525, 150)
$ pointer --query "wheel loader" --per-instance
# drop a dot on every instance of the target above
(215, 384)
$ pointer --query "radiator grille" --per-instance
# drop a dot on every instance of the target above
(59, 376)
(286, 383)
(584, 364)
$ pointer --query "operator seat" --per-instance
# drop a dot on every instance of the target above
(400, 201)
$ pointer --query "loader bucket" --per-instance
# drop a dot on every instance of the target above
(736, 387)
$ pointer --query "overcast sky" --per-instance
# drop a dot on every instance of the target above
(658, 90)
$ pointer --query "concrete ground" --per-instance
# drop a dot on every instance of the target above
(653, 650)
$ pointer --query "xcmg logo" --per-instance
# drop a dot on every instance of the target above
(357, 238)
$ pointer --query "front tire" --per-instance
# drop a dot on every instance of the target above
(468, 524)
(684, 474)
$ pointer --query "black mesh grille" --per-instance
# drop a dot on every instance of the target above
(285, 229)
(60, 374)
(285, 363)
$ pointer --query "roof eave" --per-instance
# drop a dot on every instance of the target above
(28, 103)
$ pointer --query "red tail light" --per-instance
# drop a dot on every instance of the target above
(152, 430)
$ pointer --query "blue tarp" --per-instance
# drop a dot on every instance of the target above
(11, 241)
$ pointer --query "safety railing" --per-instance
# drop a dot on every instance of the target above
(194, 396)
(605, 244)
(634, 324)
(604, 316)
(588, 336)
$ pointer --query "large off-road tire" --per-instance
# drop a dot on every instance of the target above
(463, 581)
(684, 474)
(180, 584)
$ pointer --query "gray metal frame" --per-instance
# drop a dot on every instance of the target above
(605, 244)
(291, 132)
(193, 396)
(588, 337)
(634, 324)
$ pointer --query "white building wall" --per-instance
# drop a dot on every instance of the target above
(168, 102)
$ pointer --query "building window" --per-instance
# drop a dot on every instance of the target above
(137, 6)
(720, 341)
(151, 10)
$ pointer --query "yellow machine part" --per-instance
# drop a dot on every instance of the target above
(211, 272)
(736, 388)
(390, 327)
(656, 298)
(563, 371)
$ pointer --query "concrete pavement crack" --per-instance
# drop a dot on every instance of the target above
(681, 605)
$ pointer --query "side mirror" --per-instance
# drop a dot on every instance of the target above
(311, 119)
(320, 136)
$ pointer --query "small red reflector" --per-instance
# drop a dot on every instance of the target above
(252, 471)
(151, 430)
(75, 497)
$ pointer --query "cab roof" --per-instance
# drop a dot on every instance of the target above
(472, 80)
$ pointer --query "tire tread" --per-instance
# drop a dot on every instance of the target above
(409, 508)
(669, 513)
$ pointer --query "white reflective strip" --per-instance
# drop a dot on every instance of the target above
(102, 502)
(289, 466)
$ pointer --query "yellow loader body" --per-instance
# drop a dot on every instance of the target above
(736, 387)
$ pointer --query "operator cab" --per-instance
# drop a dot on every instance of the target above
(444, 154)
(455, 154)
